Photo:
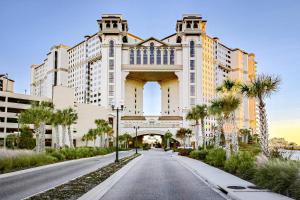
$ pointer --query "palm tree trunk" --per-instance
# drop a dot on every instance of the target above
(263, 128)
(235, 140)
(197, 135)
(203, 134)
(63, 135)
(219, 132)
(37, 139)
(57, 137)
(70, 137)
(42, 137)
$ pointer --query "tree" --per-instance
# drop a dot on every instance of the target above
(245, 134)
(57, 120)
(167, 137)
(103, 128)
(91, 135)
(181, 133)
(199, 112)
(39, 115)
(125, 138)
(260, 88)
(229, 104)
(231, 91)
(26, 140)
(215, 109)
(69, 117)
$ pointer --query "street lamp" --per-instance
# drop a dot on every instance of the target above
(117, 132)
(136, 128)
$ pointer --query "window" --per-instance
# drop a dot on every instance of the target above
(151, 53)
(192, 64)
(111, 64)
(192, 48)
(111, 48)
(111, 77)
(165, 56)
(178, 39)
(192, 77)
(138, 57)
(158, 57)
(131, 56)
(192, 90)
(172, 57)
(145, 57)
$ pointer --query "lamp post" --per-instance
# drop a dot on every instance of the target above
(136, 128)
(117, 132)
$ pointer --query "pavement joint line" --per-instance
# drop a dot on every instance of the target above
(100, 190)
(207, 182)
(32, 169)
(62, 182)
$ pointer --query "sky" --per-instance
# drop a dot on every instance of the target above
(269, 28)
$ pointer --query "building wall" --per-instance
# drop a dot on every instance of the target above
(6, 85)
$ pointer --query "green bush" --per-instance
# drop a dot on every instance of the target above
(184, 152)
(26, 140)
(5, 164)
(242, 165)
(199, 154)
(279, 176)
(295, 188)
(216, 157)
(69, 153)
(59, 156)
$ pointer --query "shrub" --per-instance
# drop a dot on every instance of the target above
(216, 157)
(295, 188)
(199, 154)
(84, 152)
(231, 165)
(279, 176)
(5, 164)
(184, 152)
(69, 153)
(26, 140)
(242, 165)
(59, 156)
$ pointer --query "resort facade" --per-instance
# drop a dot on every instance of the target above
(112, 66)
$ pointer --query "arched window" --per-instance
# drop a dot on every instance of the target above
(145, 57)
(138, 57)
(172, 56)
(178, 40)
(111, 48)
(158, 57)
(188, 25)
(165, 56)
(115, 25)
(195, 24)
(125, 40)
(151, 53)
(131, 56)
(192, 48)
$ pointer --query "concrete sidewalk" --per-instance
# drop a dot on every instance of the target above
(221, 180)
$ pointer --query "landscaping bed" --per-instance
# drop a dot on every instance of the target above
(78, 187)
(277, 174)
(14, 160)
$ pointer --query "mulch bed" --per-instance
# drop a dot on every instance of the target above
(78, 187)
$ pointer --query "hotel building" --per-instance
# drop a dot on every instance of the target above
(112, 66)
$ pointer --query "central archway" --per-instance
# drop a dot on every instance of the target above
(152, 98)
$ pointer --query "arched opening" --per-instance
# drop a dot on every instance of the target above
(152, 99)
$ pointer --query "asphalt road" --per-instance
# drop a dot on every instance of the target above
(159, 176)
(24, 185)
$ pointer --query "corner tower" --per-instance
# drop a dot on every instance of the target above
(113, 30)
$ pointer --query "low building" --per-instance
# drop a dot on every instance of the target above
(6, 84)
(11, 104)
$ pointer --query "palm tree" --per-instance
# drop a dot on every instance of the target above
(102, 128)
(56, 120)
(127, 137)
(229, 104)
(199, 112)
(215, 109)
(85, 139)
(168, 135)
(231, 88)
(91, 135)
(39, 115)
(260, 88)
(69, 117)
(181, 133)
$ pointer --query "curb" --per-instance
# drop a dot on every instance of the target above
(99, 191)
(32, 169)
